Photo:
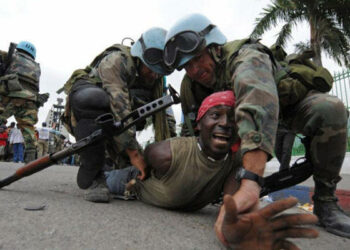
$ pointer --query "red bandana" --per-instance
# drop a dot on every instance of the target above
(219, 98)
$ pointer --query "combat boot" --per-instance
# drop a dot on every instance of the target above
(98, 191)
(332, 218)
(330, 215)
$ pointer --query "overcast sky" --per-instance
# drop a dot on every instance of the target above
(68, 34)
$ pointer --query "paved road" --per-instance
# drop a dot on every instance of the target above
(69, 222)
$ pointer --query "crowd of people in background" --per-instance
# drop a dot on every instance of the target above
(48, 140)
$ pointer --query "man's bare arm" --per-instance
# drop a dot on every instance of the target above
(158, 158)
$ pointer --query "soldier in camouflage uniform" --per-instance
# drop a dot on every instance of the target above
(19, 92)
(247, 67)
(119, 80)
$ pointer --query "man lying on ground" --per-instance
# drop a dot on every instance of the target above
(188, 173)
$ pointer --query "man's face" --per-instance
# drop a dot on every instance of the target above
(147, 74)
(216, 131)
(201, 69)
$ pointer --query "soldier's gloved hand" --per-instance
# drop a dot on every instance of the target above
(260, 229)
(137, 161)
(42, 98)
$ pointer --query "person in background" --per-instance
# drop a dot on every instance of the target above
(43, 141)
(17, 141)
(3, 141)
(9, 149)
(21, 98)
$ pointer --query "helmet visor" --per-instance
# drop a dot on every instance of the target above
(151, 56)
(185, 42)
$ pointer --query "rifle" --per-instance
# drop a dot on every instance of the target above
(5, 64)
(108, 128)
(297, 173)
(301, 170)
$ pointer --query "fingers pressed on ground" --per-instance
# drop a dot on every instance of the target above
(285, 245)
(277, 207)
(296, 232)
(289, 220)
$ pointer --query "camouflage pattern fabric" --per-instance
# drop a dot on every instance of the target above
(26, 115)
(320, 117)
(117, 74)
(323, 119)
(26, 68)
(249, 73)
(20, 100)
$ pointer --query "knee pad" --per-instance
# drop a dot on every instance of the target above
(333, 112)
(89, 102)
(92, 157)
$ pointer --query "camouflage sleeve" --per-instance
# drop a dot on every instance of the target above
(256, 98)
(113, 73)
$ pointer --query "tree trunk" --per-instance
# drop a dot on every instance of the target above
(315, 42)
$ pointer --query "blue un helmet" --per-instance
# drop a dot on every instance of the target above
(27, 47)
(149, 48)
(187, 37)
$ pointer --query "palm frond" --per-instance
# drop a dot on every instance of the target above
(271, 15)
(300, 47)
(284, 35)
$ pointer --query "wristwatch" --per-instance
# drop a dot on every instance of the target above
(245, 174)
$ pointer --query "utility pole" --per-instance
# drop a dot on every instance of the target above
(57, 112)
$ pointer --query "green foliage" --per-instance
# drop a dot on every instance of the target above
(329, 25)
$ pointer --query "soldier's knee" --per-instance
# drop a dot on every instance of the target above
(331, 111)
(90, 102)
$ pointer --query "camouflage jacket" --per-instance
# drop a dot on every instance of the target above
(247, 68)
(21, 76)
(116, 71)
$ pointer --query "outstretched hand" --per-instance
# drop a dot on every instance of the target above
(137, 161)
(260, 229)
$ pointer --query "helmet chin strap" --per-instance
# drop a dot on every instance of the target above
(215, 52)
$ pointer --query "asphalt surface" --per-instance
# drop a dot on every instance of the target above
(66, 221)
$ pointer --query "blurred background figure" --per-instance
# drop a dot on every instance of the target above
(3, 142)
(43, 140)
(16, 139)
(8, 148)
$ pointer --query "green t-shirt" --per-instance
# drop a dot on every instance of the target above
(192, 180)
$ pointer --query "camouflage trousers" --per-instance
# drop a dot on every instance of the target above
(322, 118)
(26, 115)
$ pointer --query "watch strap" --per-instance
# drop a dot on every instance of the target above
(246, 174)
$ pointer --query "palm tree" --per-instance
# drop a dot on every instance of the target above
(329, 22)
